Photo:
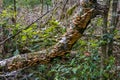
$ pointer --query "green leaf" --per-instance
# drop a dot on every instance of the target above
(72, 62)
(94, 45)
(24, 38)
(106, 75)
(16, 52)
(74, 70)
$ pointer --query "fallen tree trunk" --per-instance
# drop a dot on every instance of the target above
(60, 49)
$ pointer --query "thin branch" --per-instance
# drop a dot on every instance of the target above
(65, 4)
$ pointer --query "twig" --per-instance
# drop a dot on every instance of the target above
(65, 5)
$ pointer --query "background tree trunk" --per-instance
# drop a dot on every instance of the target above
(113, 25)
(104, 53)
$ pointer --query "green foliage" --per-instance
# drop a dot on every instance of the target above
(11, 29)
(48, 2)
(28, 3)
(99, 22)
(7, 3)
(49, 34)
(78, 67)
(32, 38)
(84, 68)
